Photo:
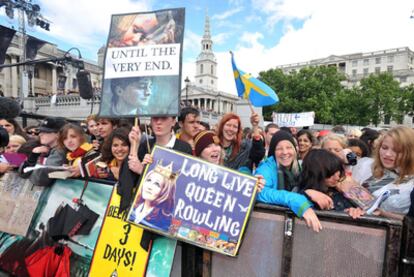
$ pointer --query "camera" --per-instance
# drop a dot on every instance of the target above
(351, 157)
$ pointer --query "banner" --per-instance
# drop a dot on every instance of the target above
(121, 247)
(294, 119)
(194, 201)
(18, 202)
(143, 64)
(6, 38)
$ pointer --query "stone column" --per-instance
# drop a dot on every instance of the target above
(14, 79)
(54, 80)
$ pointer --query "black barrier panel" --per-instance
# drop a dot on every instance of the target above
(261, 251)
(338, 250)
(176, 269)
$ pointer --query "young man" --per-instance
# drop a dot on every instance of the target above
(105, 128)
(189, 121)
(48, 152)
(130, 171)
(270, 130)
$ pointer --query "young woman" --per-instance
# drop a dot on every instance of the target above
(12, 127)
(323, 171)
(305, 142)
(393, 169)
(238, 154)
(15, 142)
(280, 171)
(72, 139)
(115, 150)
(155, 200)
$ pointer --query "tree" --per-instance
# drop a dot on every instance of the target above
(383, 97)
(310, 89)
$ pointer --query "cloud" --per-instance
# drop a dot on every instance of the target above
(227, 14)
(85, 24)
(221, 38)
(192, 42)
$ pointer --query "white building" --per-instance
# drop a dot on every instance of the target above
(398, 61)
(48, 78)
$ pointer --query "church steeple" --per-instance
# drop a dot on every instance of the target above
(206, 61)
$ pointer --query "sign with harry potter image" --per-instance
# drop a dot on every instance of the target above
(189, 199)
(142, 70)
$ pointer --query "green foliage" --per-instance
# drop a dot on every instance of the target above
(319, 89)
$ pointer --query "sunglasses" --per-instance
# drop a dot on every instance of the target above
(35, 133)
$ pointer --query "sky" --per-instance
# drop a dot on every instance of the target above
(261, 33)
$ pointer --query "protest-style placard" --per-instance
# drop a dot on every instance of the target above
(121, 246)
(183, 197)
(142, 70)
(294, 119)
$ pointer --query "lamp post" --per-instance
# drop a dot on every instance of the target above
(187, 82)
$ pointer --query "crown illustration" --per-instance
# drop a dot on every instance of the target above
(166, 171)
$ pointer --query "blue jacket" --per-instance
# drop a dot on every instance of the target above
(271, 195)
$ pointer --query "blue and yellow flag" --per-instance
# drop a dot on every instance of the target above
(253, 89)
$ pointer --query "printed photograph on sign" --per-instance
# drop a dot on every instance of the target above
(142, 68)
(192, 200)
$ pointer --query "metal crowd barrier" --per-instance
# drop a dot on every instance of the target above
(276, 243)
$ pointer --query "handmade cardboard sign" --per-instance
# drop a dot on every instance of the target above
(194, 201)
(121, 247)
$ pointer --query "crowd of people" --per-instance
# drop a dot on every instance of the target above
(304, 170)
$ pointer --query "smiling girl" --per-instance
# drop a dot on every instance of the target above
(72, 138)
(280, 171)
(393, 169)
(115, 149)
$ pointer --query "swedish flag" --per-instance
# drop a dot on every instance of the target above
(253, 89)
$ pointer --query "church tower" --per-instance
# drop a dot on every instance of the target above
(206, 64)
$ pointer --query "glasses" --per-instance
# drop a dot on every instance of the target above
(34, 133)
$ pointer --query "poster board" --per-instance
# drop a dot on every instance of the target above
(194, 201)
(143, 64)
(294, 119)
(96, 197)
(121, 246)
(18, 202)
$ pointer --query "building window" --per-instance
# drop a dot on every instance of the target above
(201, 81)
(74, 83)
(201, 69)
(378, 60)
(378, 70)
(36, 72)
(355, 63)
(212, 69)
(212, 82)
(403, 79)
(354, 72)
(390, 59)
(365, 71)
(366, 61)
(390, 68)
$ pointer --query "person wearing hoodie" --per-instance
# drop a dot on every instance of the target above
(280, 171)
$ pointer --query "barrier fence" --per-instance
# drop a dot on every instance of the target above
(276, 243)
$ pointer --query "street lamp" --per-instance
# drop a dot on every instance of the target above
(187, 82)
